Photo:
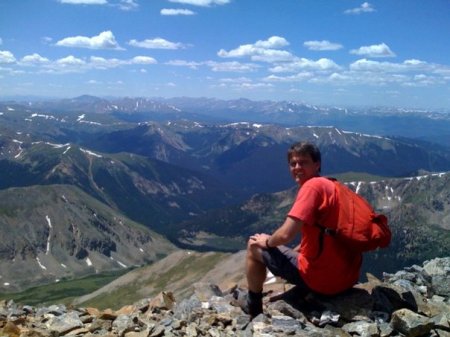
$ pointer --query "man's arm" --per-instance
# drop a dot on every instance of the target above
(283, 235)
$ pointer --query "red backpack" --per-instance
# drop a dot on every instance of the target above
(358, 227)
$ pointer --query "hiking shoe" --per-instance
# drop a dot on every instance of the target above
(249, 302)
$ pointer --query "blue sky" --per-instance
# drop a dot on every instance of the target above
(324, 52)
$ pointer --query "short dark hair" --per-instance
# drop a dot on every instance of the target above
(305, 149)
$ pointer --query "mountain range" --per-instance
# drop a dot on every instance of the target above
(103, 180)
(428, 125)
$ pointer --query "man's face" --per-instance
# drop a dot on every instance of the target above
(302, 168)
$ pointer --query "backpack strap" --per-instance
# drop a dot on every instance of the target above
(323, 231)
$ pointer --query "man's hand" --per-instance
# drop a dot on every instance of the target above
(259, 239)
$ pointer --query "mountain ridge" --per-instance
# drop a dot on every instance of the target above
(58, 231)
(422, 124)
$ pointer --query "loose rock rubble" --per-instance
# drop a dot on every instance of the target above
(413, 302)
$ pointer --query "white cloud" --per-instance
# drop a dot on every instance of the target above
(336, 77)
(34, 59)
(156, 43)
(70, 61)
(265, 51)
(128, 5)
(173, 12)
(236, 80)
(375, 66)
(104, 40)
(182, 63)
(242, 83)
(201, 3)
(102, 63)
(272, 55)
(368, 65)
(322, 45)
(300, 77)
(236, 67)
(414, 62)
(125, 5)
(364, 8)
(251, 86)
(46, 40)
(143, 60)
(272, 42)
(6, 57)
(322, 64)
(231, 66)
(377, 50)
(71, 64)
(84, 2)
(410, 73)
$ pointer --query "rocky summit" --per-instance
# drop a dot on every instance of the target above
(412, 302)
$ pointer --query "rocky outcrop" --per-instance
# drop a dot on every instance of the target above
(413, 302)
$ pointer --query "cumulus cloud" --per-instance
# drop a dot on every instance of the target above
(156, 43)
(34, 59)
(102, 63)
(375, 66)
(414, 62)
(378, 50)
(252, 86)
(72, 64)
(84, 2)
(235, 80)
(322, 45)
(272, 55)
(262, 50)
(67, 64)
(6, 57)
(127, 5)
(201, 3)
(243, 83)
(104, 40)
(298, 64)
(231, 66)
(299, 77)
(272, 42)
(143, 60)
(364, 8)
(182, 63)
(46, 40)
(236, 67)
(173, 12)
(70, 61)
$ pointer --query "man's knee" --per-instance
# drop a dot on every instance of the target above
(254, 252)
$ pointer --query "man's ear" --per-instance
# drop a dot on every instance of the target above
(318, 166)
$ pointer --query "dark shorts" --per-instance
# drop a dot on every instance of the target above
(282, 262)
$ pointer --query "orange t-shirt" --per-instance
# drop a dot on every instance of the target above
(336, 268)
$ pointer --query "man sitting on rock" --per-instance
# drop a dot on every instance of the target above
(325, 267)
